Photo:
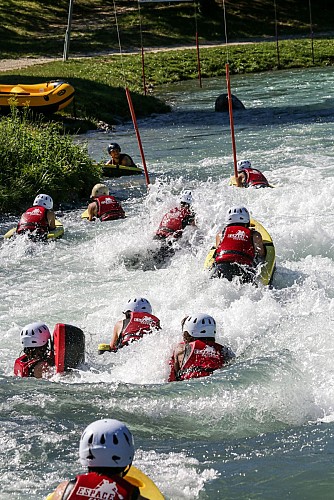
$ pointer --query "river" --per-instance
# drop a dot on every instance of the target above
(262, 427)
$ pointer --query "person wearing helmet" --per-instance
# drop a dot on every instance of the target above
(177, 219)
(138, 321)
(38, 354)
(250, 177)
(118, 158)
(107, 449)
(199, 355)
(38, 220)
(238, 247)
(104, 206)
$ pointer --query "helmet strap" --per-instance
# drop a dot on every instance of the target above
(126, 470)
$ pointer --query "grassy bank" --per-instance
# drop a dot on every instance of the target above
(39, 158)
(34, 28)
(100, 81)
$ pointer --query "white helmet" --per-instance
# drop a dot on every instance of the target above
(242, 164)
(106, 443)
(237, 214)
(186, 197)
(200, 325)
(99, 190)
(138, 304)
(43, 200)
(35, 335)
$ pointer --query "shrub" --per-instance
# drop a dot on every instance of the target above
(37, 157)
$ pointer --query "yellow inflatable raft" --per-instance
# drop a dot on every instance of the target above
(53, 235)
(137, 478)
(268, 267)
(46, 98)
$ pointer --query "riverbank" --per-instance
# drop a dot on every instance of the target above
(36, 157)
(100, 81)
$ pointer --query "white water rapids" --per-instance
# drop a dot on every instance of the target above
(260, 428)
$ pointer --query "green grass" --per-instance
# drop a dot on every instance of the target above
(37, 28)
(38, 158)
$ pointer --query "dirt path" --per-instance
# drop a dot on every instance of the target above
(13, 64)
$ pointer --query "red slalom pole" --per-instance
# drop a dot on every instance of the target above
(230, 110)
(134, 121)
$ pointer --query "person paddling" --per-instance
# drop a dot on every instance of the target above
(199, 355)
(138, 321)
(250, 177)
(38, 355)
(118, 158)
(107, 450)
(44, 354)
(177, 219)
(239, 248)
(104, 206)
(38, 220)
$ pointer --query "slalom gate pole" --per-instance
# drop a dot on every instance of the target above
(198, 61)
(142, 50)
(230, 111)
(143, 69)
(134, 121)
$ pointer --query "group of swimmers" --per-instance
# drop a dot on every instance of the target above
(239, 250)
(198, 355)
(106, 446)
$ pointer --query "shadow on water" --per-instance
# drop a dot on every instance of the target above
(285, 278)
(149, 259)
(259, 117)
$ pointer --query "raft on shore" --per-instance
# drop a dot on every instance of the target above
(46, 98)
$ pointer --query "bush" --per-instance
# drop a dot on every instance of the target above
(38, 157)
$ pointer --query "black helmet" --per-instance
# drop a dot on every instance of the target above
(114, 147)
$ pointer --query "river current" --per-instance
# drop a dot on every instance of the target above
(262, 427)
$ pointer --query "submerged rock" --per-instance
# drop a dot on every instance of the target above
(221, 104)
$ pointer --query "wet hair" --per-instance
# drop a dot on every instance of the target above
(107, 471)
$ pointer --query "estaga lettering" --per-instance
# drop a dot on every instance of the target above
(104, 491)
(208, 351)
(240, 235)
(146, 320)
(37, 211)
(107, 201)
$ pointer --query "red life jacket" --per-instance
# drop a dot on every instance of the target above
(140, 323)
(94, 485)
(24, 367)
(174, 222)
(255, 178)
(236, 246)
(108, 208)
(172, 375)
(34, 219)
(205, 357)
